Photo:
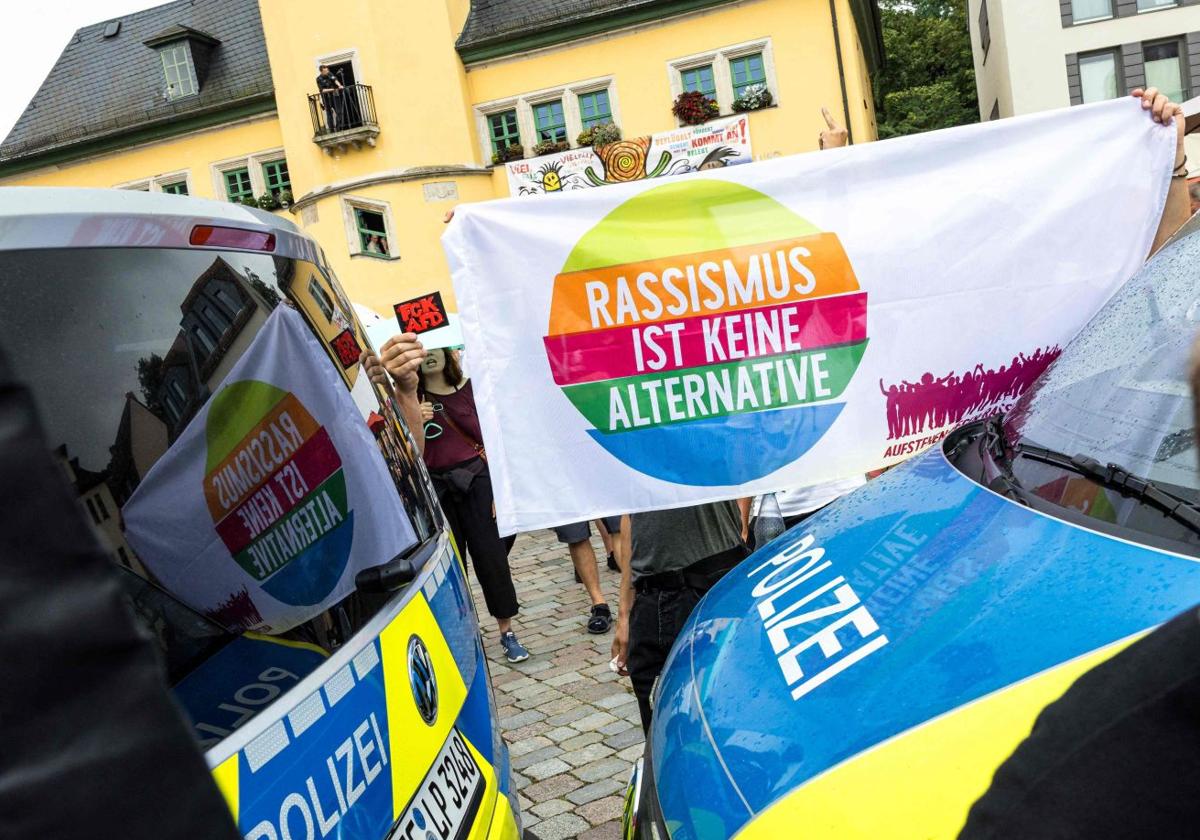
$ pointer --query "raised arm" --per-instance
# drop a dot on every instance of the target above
(1178, 207)
(401, 357)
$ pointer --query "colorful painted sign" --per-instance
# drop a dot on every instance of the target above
(757, 325)
(713, 145)
(795, 322)
(250, 515)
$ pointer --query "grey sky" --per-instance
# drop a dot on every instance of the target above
(33, 36)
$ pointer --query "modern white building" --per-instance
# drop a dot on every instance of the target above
(1033, 55)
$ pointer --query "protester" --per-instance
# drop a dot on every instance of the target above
(578, 538)
(452, 448)
(457, 463)
(675, 557)
(331, 92)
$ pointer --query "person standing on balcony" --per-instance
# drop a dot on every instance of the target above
(331, 94)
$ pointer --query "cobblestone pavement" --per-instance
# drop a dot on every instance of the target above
(571, 724)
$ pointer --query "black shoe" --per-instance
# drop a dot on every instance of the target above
(612, 562)
(600, 620)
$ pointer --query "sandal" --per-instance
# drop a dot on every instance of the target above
(600, 620)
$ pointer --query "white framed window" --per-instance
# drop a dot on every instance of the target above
(340, 57)
(243, 176)
(178, 70)
(1098, 76)
(721, 74)
(1155, 5)
(557, 113)
(370, 229)
(1085, 11)
(177, 183)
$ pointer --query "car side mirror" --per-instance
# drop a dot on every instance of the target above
(386, 578)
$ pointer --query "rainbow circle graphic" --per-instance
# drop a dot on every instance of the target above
(276, 491)
(706, 332)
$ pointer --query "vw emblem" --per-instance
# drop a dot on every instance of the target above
(422, 680)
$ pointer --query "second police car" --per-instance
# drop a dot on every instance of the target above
(865, 674)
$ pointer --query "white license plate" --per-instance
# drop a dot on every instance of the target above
(448, 797)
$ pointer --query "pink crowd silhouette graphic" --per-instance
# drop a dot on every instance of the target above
(931, 403)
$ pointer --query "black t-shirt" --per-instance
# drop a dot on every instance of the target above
(1117, 756)
(329, 82)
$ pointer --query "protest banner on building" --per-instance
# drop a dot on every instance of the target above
(713, 145)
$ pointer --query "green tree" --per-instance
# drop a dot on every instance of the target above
(929, 80)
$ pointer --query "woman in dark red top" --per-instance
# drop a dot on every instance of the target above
(457, 463)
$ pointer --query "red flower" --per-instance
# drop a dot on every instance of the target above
(693, 107)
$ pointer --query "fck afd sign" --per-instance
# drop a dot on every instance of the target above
(790, 322)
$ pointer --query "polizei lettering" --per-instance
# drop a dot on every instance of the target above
(329, 792)
(814, 620)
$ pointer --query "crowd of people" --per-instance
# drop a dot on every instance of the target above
(933, 402)
(667, 559)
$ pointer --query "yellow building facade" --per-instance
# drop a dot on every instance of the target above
(426, 94)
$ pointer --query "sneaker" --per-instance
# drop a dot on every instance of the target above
(612, 562)
(514, 651)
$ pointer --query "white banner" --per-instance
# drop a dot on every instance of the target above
(795, 321)
(713, 145)
(255, 514)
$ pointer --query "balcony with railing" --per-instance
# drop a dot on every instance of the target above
(343, 117)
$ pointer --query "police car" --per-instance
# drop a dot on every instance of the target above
(863, 675)
(195, 368)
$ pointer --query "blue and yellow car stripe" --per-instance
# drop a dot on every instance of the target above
(924, 780)
(347, 758)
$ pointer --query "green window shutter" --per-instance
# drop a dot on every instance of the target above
(700, 79)
(550, 121)
(237, 184)
(747, 70)
(594, 108)
(275, 175)
(503, 130)
(370, 223)
(177, 188)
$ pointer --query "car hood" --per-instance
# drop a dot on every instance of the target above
(895, 609)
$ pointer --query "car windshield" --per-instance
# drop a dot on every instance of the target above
(1120, 394)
